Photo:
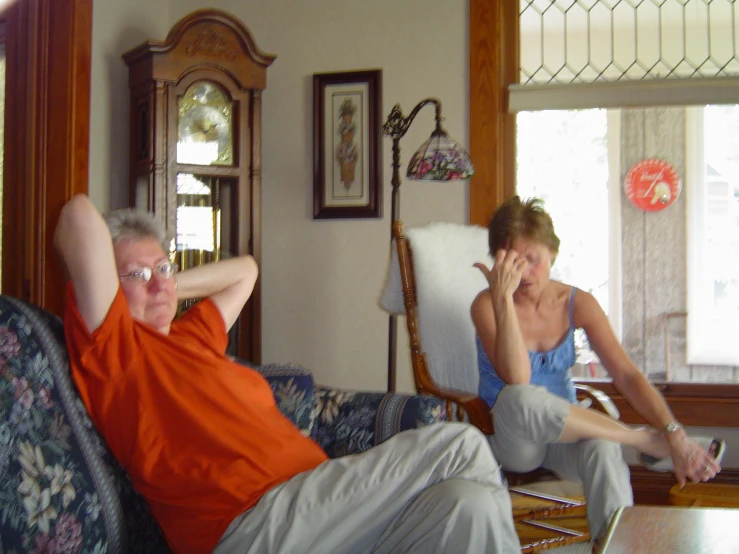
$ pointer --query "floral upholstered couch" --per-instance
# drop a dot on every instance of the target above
(61, 490)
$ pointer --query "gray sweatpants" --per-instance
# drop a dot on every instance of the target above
(529, 420)
(434, 489)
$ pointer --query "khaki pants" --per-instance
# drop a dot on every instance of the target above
(434, 489)
(529, 420)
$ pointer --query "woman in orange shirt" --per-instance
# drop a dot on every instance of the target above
(203, 440)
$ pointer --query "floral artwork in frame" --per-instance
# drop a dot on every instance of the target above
(346, 144)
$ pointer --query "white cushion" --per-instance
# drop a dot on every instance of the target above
(446, 284)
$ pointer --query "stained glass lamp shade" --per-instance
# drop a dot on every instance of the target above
(440, 158)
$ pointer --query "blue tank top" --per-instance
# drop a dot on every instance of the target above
(551, 369)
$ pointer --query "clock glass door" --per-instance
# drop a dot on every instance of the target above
(198, 220)
(204, 225)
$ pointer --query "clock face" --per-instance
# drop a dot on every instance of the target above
(204, 129)
(652, 185)
(204, 124)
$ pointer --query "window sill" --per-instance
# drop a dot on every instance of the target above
(693, 404)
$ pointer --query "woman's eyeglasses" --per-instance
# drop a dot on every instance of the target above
(165, 270)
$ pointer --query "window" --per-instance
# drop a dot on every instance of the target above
(569, 159)
(713, 235)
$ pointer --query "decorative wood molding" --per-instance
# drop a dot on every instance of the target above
(47, 112)
(230, 23)
(210, 43)
(215, 34)
(494, 55)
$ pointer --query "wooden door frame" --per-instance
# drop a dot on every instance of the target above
(47, 112)
(494, 54)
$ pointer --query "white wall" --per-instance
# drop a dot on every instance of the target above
(320, 279)
(117, 26)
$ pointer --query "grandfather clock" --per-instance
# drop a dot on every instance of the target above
(195, 146)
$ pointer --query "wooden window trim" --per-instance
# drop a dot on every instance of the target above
(494, 55)
(494, 58)
(47, 112)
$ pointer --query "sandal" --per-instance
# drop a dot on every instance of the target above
(712, 445)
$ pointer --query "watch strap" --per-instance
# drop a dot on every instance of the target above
(671, 428)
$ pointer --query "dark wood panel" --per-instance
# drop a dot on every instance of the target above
(494, 56)
(653, 488)
(48, 117)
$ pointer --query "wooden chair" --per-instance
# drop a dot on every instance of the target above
(436, 301)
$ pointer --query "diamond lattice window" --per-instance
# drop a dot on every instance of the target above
(586, 41)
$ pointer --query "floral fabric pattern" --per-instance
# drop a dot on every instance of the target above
(61, 489)
(350, 422)
(292, 386)
(44, 478)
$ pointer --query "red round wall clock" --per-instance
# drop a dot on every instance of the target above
(652, 185)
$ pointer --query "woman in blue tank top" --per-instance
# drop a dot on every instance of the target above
(550, 369)
(525, 325)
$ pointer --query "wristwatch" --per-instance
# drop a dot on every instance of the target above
(671, 428)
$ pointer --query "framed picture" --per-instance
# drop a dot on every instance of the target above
(346, 144)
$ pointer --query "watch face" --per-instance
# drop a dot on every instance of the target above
(204, 129)
(652, 185)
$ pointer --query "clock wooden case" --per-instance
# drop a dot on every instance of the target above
(195, 146)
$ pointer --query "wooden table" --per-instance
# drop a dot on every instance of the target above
(673, 530)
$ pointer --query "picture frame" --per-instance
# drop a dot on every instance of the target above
(346, 144)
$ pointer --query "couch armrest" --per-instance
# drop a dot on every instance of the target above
(347, 422)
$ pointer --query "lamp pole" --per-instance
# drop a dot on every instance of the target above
(396, 127)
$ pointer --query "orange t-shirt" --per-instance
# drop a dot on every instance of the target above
(200, 436)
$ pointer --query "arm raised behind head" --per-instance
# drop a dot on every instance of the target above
(229, 284)
(83, 241)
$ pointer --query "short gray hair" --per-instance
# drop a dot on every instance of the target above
(137, 225)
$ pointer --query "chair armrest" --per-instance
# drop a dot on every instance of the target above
(469, 406)
(473, 407)
(347, 422)
(599, 400)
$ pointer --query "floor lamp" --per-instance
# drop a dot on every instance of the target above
(440, 158)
